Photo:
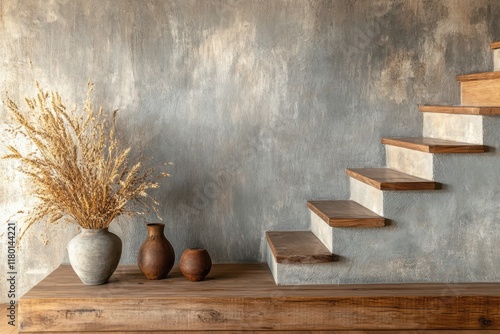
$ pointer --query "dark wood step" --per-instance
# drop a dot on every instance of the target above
(495, 45)
(434, 145)
(479, 76)
(465, 110)
(298, 247)
(345, 214)
(390, 179)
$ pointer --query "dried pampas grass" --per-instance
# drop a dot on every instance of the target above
(77, 167)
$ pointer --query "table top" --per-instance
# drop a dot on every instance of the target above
(248, 280)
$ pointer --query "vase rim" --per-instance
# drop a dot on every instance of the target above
(155, 224)
(94, 229)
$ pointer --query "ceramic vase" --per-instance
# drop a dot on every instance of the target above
(195, 264)
(156, 256)
(94, 255)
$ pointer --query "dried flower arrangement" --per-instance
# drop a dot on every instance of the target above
(78, 168)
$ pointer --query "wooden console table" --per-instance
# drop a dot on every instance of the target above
(243, 297)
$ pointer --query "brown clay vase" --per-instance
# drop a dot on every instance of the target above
(195, 264)
(156, 256)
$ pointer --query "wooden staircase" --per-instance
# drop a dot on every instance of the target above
(306, 257)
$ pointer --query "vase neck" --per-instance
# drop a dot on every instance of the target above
(155, 230)
(94, 230)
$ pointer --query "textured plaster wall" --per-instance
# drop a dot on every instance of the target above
(260, 105)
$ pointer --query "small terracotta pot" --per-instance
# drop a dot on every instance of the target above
(195, 264)
(156, 256)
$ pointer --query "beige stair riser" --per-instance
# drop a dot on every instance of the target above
(271, 262)
(480, 92)
(411, 162)
(367, 196)
(496, 59)
(322, 231)
(462, 128)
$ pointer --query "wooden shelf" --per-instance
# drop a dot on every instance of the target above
(243, 297)
(465, 110)
(479, 76)
(298, 247)
(345, 214)
(495, 45)
(434, 145)
(389, 179)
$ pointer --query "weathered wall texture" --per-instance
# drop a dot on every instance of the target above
(260, 105)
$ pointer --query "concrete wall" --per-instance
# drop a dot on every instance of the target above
(260, 104)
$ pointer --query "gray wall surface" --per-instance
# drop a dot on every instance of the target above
(261, 105)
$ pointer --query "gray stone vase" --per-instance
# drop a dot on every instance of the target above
(94, 255)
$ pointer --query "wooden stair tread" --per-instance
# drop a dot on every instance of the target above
(434, 145)
(495, 45)
(390, 179)
(479, 76)
(298, 247)
(465, 110)
(345, 213)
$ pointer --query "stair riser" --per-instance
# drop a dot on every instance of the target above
(480, 92)
(322, 231)
(271, 262)
(462, 128)
(411, 162)
(496, 59)
(367, 196)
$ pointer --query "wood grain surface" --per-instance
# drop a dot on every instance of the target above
(479, 76)
(345, 213)
(480, 92)
(465, 110)
(288, 332)
(298, 247)
(390, 179)
(238, 297)
(434, 145)
(5, 328)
